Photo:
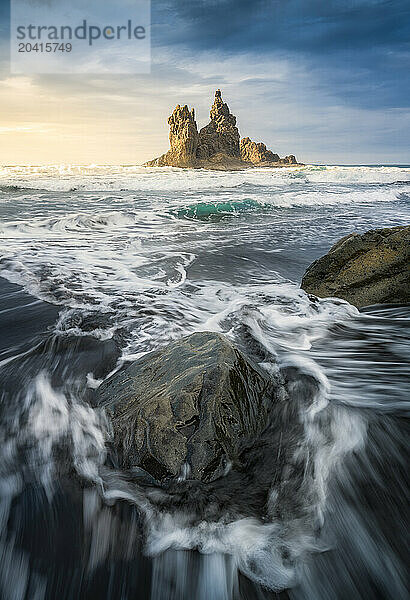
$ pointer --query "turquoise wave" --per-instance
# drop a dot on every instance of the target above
(211, 210)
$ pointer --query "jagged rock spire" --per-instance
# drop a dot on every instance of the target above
(183, 134)
(220, 111)
(216, 144)
(220, 136)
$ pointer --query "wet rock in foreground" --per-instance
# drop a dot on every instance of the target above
(196, 402)
(372, 268)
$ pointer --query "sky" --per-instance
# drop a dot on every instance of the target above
(324, 80)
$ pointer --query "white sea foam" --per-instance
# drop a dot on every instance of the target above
(130, 263)
(359, 174)
(116, 178)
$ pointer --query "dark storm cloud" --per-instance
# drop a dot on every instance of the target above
(4, 36)
(4, 17)
(309, 25)
(360, 46)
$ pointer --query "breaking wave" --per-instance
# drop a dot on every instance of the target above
(94, 178)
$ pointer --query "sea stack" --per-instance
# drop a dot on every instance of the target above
(217, 145)
(256, 153)
(183, 139)
(220, 136)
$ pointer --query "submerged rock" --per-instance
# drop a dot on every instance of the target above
(372, 268)
(189, 407)
(216, 146)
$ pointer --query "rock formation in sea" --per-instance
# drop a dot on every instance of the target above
(372, 268)
(256, 153)
(217, 145)
(220, 136)
(183, 139)
(192, 406)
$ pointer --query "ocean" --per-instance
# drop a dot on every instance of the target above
(100, 265)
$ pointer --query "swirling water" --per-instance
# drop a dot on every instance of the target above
(100, 265)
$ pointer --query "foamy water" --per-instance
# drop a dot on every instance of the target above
(130, 258)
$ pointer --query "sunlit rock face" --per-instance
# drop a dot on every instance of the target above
(216, 146)
(256, 153)
(220, 136)
(289, 160)
(183, 139)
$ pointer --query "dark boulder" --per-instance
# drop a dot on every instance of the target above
(192, 405)
(372, 268)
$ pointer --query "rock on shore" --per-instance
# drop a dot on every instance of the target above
(372, 268)
(188, 407)
(217, 145)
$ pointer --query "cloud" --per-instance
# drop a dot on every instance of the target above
(30, 128)
(361, 46)
(307, 25)
(307, 77)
